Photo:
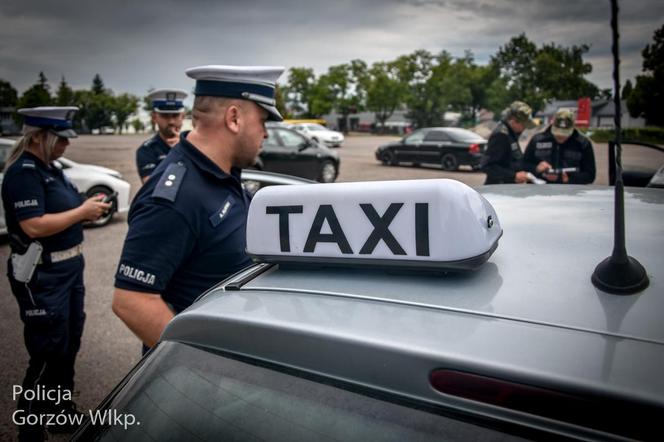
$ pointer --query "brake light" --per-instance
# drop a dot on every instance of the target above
(474, 148)
(603, 413)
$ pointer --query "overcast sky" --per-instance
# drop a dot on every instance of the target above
(136, 45)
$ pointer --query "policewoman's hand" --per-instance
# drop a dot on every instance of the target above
(93, 208)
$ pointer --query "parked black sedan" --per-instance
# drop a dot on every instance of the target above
(286, 151)
(450, 147)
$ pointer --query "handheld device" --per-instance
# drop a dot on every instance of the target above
(109, 198)
(563, 169)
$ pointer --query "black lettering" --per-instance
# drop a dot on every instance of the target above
(422, 229)
(326, 212)
(284, 229)
(381, 229)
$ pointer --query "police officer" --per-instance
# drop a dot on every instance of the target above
(187, 223)
(168, 115)
(44, 210)
(560, 147)
(502, 159)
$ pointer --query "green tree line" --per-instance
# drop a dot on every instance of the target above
(428, 84)
(98, 107)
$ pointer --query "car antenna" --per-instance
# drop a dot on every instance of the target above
(619, 274)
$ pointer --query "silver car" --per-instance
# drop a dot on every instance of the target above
(473, 334)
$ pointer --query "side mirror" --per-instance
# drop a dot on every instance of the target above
(305, 144)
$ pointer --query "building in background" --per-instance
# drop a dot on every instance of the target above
(601, 115)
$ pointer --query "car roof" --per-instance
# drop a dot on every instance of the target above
(553, 239)
(529, 314)
(273, 177)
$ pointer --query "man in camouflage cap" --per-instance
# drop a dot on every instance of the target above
(561, 154)
(502, 159)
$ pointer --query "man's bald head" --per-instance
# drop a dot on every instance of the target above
(207, 108)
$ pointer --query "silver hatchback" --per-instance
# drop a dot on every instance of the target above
(517, 344)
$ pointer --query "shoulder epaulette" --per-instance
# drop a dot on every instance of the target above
(28, 164)
(170, 182)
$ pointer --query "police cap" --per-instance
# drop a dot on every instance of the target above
(167, 101)
(254, 83)
(563, 123)
(57, 119)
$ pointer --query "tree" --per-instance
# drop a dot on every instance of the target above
(299, 94)
(148, 107)
(96, 107)
(561, 72)
(515, 61)
(414, 72)
(8, 95)
(627, 90)
(646, 98)
(123, 106)
(344, 87)
(37, 95)
(384, 91)
(64, 95)
(280, 102)
(138, 125)
(99, 105)
(98, 85)
(551, 72)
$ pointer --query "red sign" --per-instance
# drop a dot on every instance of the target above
(583, 112)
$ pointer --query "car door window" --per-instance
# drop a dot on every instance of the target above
(291, 140)
(272, 138)
(415, 137)
(437, 136)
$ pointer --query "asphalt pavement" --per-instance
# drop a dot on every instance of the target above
(108, 349)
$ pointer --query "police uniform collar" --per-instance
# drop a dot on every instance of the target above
(38, 161)
(202, 161)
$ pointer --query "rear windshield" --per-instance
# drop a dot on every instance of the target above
(185, 393)
(465, 135)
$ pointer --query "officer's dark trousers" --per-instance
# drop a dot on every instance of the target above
(51, 308)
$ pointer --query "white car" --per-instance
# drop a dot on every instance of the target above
(90, 180)
(320, 133)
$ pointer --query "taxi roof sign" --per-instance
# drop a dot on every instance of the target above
(441, 224)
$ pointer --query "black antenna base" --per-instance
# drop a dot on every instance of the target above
(620, 276)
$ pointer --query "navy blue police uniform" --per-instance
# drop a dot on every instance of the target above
(575, 152)
(153, 151)
(186, 229)
(51, 303)
(150, 154)
(503, 156)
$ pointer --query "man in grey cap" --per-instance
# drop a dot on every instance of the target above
(561, 154)
(168, 115)
(187, 223)
(502, 159)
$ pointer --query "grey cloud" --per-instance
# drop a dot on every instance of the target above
(138, 44)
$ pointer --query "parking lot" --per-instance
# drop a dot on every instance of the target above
(109, 350)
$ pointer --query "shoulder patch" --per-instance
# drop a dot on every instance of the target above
(28, 164)
(170, 182)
